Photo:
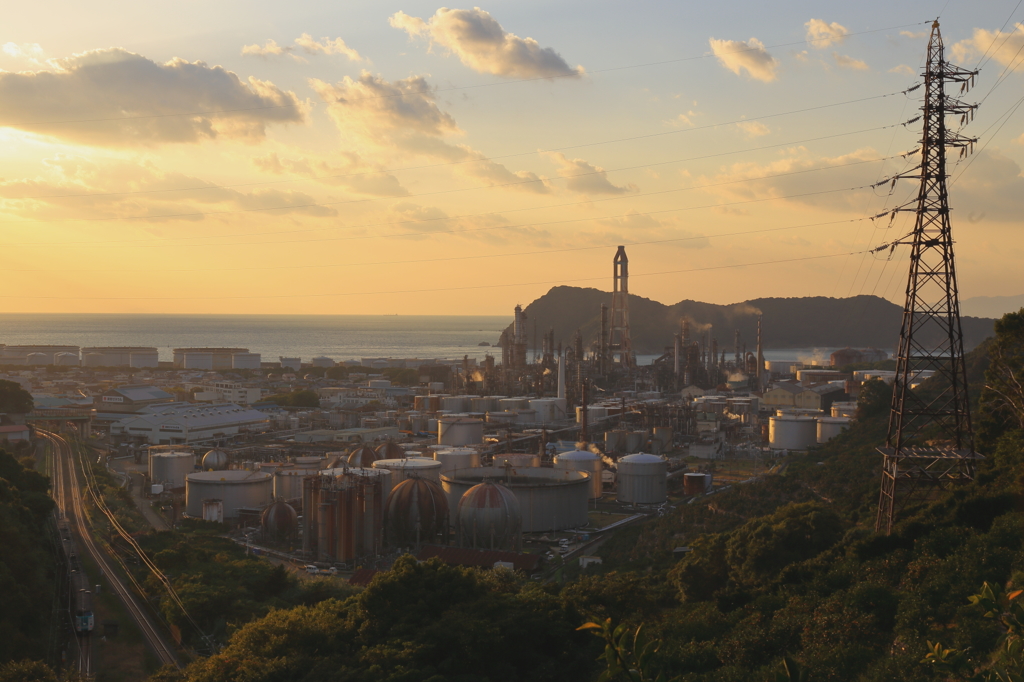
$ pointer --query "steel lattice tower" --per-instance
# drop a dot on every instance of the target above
(620, 348)
(930, 444)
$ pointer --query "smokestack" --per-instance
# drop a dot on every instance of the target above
(584, 436)
(561, 375)
(760, 357)
(738, 356)
(678, 351)
(603, 345)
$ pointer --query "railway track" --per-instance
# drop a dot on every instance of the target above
(70, 510)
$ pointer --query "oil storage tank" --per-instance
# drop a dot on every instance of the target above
(288, 482)
(456, 431)
(488, 517)
(516, 460)
(452, 459)
(170, 468)
(280, 522)
(401, 469)
(792, 432)
(588, 462)
(237, 488)
(343, 514)
(416, 512)
(215, 460)
(549, 499)
(642, 479)
(363, 456)
(830, 427)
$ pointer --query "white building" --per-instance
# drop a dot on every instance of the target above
(228, 392)
(176, 423)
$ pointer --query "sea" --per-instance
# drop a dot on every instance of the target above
(339, 337)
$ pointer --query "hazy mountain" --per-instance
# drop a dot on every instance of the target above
(991, 306)
(861, 321)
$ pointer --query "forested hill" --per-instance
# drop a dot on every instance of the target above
(814, 321)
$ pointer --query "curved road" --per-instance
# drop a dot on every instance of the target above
(68, 494)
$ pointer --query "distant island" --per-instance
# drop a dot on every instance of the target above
(813, 321)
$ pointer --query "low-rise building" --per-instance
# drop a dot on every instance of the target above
(178, 423)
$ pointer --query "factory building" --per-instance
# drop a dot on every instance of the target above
(120, 356)
(176, 423)
(215, 358)
(228, 392)
(34, 355)
(132, 399)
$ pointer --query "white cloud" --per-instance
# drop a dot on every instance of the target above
(1003, 48)
(130, 100)
(269, 49)
(351, 172)
(31, 52)
(752, 129)
(402, 118)
(480, 42)
(749, 56)
(914, 36)
(821, 34)
(903, 70)
(586, 178)
(327, 46)
(847, 62)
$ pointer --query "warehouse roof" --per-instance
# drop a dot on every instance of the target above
(141, 392)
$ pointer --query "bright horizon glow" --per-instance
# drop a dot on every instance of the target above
(469, 160)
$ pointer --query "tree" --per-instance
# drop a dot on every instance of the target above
(14, 399)
(1002, 399)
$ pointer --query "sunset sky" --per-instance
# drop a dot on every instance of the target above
(366, 157)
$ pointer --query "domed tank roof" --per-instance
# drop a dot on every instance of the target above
(577, 456)
(416, 512)
(642, 458)
(217, 460)
(390, 450)
(488, 517)
(280, 522)
(362, 456)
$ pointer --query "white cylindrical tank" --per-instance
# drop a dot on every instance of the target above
(501, 418)
(288, 482)
(143, 359)
(513, 404)
(588, 462)
(526, 416)
(401, 469)
(322, 361)
(452, 459)
(237, 488)
(454, 403)
(845, 409)
(546, 410)
(830, 427)
(171, 468)
(197, 360)
(38, 359)
(634, 440)
(792, 432)
(642, 479)
(457, 431)
(481, 404)
(549, 499)
(93, 360)
(66, 359)
(246, 360)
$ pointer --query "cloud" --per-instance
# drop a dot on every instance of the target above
(351, 173)
(847, 62)
(903, 70)
(586, 178)
(1004, 48)
(752, 129)
(122, 99)
(636, 226)
(821, 34)
(269, 49)
(914, 35)
(327, 46)
(749, 56)
(76, 187)
(402, 118)
(30, 52)
(480, 43)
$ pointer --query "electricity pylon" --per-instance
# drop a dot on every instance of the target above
(930, 444)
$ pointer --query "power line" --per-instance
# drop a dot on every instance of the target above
(218, 112)
(420, 290)
(478, 160)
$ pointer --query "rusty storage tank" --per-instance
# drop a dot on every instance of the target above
(280, 522)
(362, 456)
(343, 514)
(402, 469)
(416, 513)
(239, 489)
(587, 462)
(549, 499)
(489, 517)
(693, 483)
(642, 479)
(516, 460)
(215, 460)
(390, 450)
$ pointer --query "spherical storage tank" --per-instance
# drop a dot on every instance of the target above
(401, 469)
(459, 431)
(363, 456)
(239, 489)
(390, 450)
(216, 460)
(588, 462)
(416, 512)
(280, 523)
(170, 468)
(549, 499)
(642, 479)
(791, 432)
(830, 427)
(488, 517)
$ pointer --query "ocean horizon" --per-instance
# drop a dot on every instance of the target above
(339, 337)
